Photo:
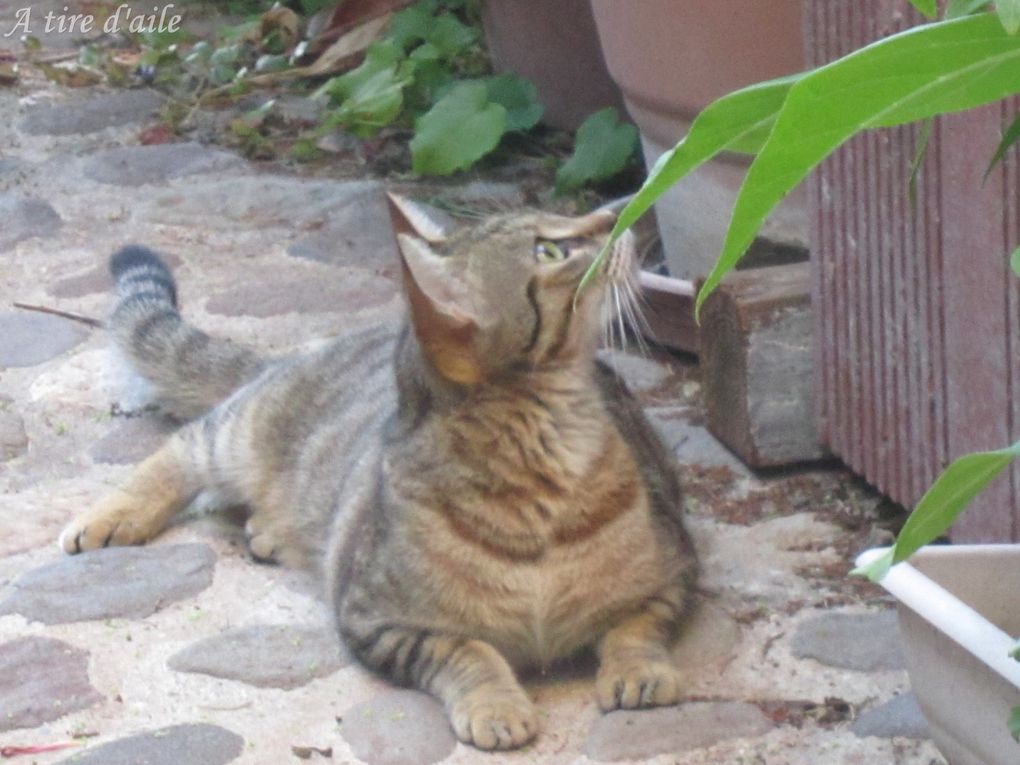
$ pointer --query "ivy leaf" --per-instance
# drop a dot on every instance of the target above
(952, 491)
(520, 99)
(410, 25)
(459, 130)
(450, 36)
(602, 148)
(380, 56)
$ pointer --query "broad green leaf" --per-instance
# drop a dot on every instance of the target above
(932, 69)
(602, 147)
(380, 56)
(1014, 261)
(459, 130)
(738, 122)
(957, 8)
(410, 25)
(520, 99)
(1009, 14)
(1014, 723)
(952, 491)
(450, 36)
(928, 7)
(1009, 137)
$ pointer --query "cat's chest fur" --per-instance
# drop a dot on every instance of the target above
(531, 520)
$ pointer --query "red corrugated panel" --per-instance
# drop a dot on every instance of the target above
(917, 315)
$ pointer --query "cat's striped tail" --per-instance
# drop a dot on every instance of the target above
(190, 370)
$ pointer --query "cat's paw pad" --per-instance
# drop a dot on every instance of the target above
(261, 542)
(495, 718)
(636, 684)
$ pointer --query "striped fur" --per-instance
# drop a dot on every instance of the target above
(479, 495)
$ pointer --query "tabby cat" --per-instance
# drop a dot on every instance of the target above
(479, 494)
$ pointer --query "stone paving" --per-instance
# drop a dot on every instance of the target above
(188, 652)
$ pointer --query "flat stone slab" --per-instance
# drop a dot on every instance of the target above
(263, 201)
(353, 291)
(692, 444)
(25, 217)
(42, 679)
(90, 113)
(28, 339)
(264, 655)
(901, 717)
(138, 165)
(193, 744)
(644, 734)
(119, 582)
(13, 440)
(399, 728)
(863, 642)
(132, 441)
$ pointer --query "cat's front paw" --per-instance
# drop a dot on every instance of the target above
(495, 717)
(115, 521)
(636, 683)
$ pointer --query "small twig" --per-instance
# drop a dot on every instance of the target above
(62, 314)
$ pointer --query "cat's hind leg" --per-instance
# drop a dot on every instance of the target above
(159, 487)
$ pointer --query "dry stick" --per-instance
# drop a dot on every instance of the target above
(62, 314)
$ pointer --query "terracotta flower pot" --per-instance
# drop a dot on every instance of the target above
(555, 46)
(671, 58)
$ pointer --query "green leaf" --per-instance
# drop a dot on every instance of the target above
(459, 130)
(928, 7)
(952, 491)
(1014, 261)
(520, 99)
(957, 8)
(739, 121)
(932, 69)
(1014, 723)
(410, 25)
(915, 163)
(450, 36)
(373, 104)
(602, 148)
(380, 56)
(1009, 137)
(1009, 14)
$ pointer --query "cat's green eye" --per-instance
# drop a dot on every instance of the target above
(550, 252)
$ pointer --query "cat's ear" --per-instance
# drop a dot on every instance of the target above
(442, 311)
(597, 223)
(417, 219)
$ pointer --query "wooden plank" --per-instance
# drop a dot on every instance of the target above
(669, 311)
(756, 366)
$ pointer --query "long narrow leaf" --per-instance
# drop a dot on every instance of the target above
(1009, 137)
(739, 121)
(932, 69)
(1009, 14)
(958, 8)
(928, 7)
(952, 491)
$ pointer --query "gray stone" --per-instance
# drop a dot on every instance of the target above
(643, 734)
(10, 165)
(13, 440)
(399, 728)
(25, 217)
(90, 113)
(42, 679)
(264, 655)
(27, 339)
(261, 201)
(865, 642)
(351, 292)
(132, 441)
(640, 373)
(193, 744)
(900, 717)
(138, 165)
(90, 282)
(125, 582)
(692, 444)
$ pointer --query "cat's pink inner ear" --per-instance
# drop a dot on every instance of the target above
(441, 312)
(414, 218)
